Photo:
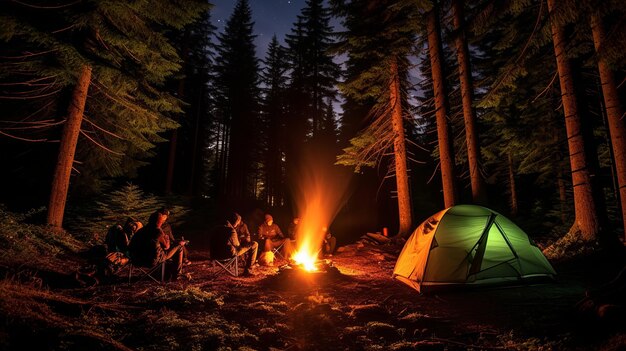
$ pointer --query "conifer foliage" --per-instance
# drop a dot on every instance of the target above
(237, 78)
(379, 38)
(125, 48)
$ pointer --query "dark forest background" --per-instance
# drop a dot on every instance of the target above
(196, 118)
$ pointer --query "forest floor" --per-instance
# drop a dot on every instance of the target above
(356, 306)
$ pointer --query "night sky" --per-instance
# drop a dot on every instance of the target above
(270, 17)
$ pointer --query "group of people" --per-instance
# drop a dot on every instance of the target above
(154, 243)
(234, 239)
(148, 245)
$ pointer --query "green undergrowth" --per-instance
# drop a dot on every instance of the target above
(24, 243)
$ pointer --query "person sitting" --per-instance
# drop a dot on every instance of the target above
(150, 246)
(167, 229)
(118, 237)
(245, 238)
(224, 244)
(292, 230)
(329, 244)
(273, 236)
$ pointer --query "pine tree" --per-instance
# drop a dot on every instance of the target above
(130, 58)
(192, 85)
(614, 110)
(378, 48)
(314, 76)
(275, 80)
(236, 83)
(467, 95)
(585, 207)
(446, 153)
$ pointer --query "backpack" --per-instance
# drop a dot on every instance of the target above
(113, 262)
(266, 258)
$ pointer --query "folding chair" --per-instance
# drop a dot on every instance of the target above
(276, 250)
(230, 265)
(146, 272)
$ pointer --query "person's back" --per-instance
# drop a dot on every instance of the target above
(116, 240)
(221, 242)
(144, 246)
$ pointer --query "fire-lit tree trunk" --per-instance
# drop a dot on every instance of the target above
(445, 146)
(614, 112)
(512, 187)
(399, 148)
(586, 217)
(467, 95)
(67, 149)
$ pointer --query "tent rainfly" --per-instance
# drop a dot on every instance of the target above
(468, 244)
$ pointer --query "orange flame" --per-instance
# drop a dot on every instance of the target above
(320, 193)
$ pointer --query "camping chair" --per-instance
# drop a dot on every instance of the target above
(276, 250)
(146, 272)
(230, 265)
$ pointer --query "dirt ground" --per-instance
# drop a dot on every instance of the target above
(357, 306)
(353, 306)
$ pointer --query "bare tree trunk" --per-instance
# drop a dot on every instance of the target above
(512, 187)
(467, 96)
(402, 178)
(225, 155)
(196, 146)
(67, 149)
(445, 147)
(171, 160)
(586, 217)
(614, 112)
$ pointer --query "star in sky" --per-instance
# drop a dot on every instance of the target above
(270, 17)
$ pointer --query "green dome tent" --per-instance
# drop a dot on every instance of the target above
(469, 244)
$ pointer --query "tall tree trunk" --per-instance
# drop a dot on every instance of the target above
(171, 160)
(512, 187)
(225, 155)
(399, 148)
(614, 112)
(586, 217)
(67, 149)
(193, 177)
(467, 96)
(445, 146)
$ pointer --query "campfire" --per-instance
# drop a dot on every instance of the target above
(306, 261)
(319, 193)
(312, 266)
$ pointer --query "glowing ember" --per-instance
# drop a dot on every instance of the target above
(305, 260)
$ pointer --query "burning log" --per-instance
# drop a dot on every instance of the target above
(317, 266)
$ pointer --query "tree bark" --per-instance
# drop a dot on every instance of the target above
(614, 113)
(586, 217)
(402, 178)
(67, 149)
(193, 177)
(171, 159)
(467, 96)
(445, 147)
